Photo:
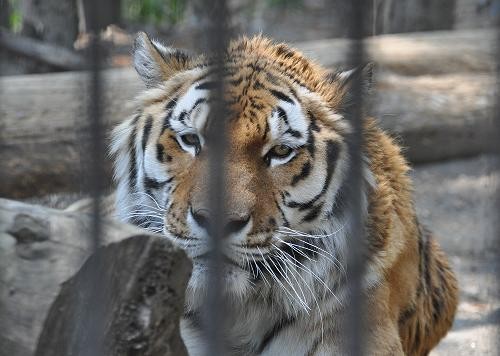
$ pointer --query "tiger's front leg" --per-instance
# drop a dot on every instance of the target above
(381, 339)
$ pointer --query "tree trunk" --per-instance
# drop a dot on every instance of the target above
(109, 14)
(4, 14)
(52, 21)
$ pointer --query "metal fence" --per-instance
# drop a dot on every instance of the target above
(217, 37)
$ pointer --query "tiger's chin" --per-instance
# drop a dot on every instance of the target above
(236, 285)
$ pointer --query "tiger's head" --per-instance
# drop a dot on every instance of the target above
(285, 162)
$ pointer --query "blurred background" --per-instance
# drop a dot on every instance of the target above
(65, 23)
(436, 93)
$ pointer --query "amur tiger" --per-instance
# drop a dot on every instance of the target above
(288, 212)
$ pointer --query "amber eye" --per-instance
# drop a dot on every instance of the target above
(280, 151)
(191, 140)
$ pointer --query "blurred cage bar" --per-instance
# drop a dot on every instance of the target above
(217, 40)
(88, 341)
(89, 316)
(497, 127)
(356, 256)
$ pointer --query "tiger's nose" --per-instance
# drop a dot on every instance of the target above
(233, 223)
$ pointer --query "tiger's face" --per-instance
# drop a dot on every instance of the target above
(285, 159)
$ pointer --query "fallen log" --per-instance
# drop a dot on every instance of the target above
(42, 137)
(417, 53)
(439, 117)
(43, 126)
(41, 248)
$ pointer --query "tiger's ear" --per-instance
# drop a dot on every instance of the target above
(343, 80)
(155, 62)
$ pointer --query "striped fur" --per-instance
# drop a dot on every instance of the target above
(288, 205)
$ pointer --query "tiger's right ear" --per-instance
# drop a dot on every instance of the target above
(156, 63)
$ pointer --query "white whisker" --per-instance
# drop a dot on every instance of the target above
(335, 262)
(273, 275)
(287, 280)
(150, 197)
(303, 267)
(289, 231)
(304, 299)
(313, 294)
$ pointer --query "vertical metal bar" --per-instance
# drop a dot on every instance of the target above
(497, 166)
(88, 338)
(97, 149)
(356, 256)
(2, 59)
(218, 36)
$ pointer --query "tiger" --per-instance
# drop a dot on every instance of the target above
(287, 200)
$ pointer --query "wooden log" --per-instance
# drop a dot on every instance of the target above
(436, 52)
(43, 117)
(439, 117)
(41, 248)
(56, 56)
(43, 124)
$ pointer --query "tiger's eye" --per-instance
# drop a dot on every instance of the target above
(191, 139)
(280, 151)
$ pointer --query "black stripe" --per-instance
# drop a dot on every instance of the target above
(236, 81)
(206, 86)
(304, 173)
(146, 132)
(437, 303)
(266, 130)
(274, 331)
(294, 133)
(286, 223)
(170, 105)
(311, 142)
(332, 152)
(281, 96)
(160, 150)
(166, 122)
(257, 85)
(132, 181)
(314, 125)
(170, 109)
(182, 117)
(151, 183)
(284, 51)
(256, 106)
(426, 259)
(313, 214)
(406, 314)
(197, 102)
(421, 266)
(282, 115)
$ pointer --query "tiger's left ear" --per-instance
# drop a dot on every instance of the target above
(156, 63)
(343, 81)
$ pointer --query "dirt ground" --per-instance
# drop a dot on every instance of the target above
(457, 200)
